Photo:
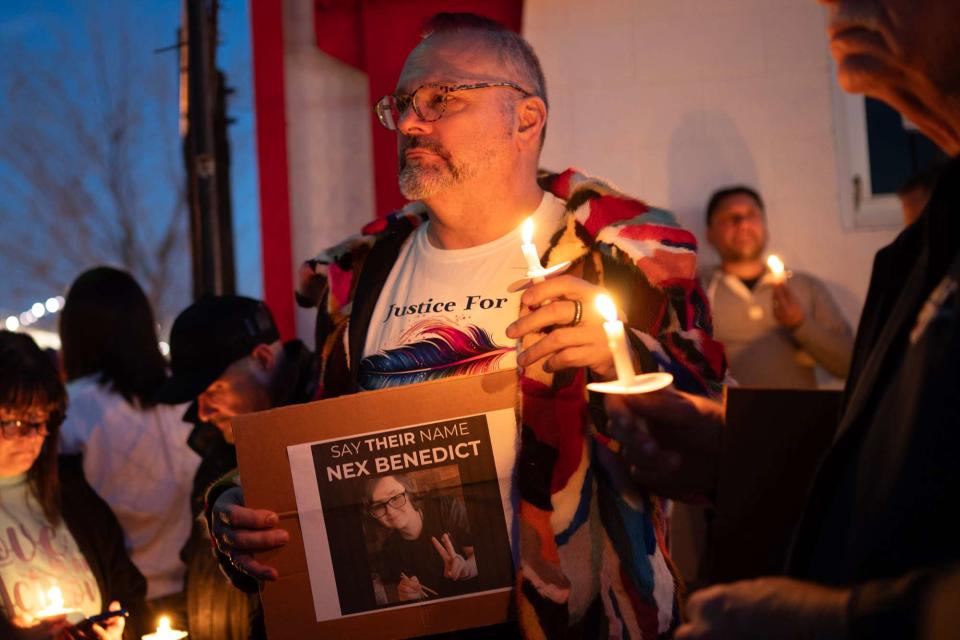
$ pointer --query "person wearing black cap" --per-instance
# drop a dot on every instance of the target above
(227, 358)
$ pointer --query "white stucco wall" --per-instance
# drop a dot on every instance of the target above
(671, 99)
(328, 145)
(667, 99)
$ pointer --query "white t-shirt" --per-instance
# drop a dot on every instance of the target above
(444, 312)
(35, 556)
(139, 462)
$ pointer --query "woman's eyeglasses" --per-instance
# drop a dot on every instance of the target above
(22, 428)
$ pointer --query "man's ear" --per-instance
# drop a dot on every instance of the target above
(264, 356)
(531, 118)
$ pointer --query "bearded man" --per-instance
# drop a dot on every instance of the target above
(424, 294)
(775, 330)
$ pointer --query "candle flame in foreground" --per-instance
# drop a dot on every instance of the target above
(55, 597)
(606, 307)
(526, 231)
(775, 264)
(163, 624)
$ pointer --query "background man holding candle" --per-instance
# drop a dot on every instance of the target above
(877, 544)
(775, 331)
(470, 112)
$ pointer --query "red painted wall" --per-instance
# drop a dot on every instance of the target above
(266, 17)
(376, 36)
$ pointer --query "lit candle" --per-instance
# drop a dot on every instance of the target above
(164, 632)
(530, 250)
(55, 606)
(617, 339)
(776, 269)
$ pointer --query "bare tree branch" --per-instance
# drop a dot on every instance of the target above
(90, 166)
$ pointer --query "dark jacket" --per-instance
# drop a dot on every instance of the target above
(882, 512)
(100, 540)
(215, 611)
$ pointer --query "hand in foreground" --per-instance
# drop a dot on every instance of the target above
(670, 440)
(574, 342)
(786, 308)
(766, 608)
(111, 629)
(409, 588)
(49, 629)
(455, 566)
(240, 532)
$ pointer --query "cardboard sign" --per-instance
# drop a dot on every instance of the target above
(353, 478)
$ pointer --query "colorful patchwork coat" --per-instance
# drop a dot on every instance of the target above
(590, 548)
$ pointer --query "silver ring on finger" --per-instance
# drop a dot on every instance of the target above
(577, 313)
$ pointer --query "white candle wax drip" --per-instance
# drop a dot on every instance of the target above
(616, 339)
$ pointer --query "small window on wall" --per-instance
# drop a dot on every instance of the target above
(877, 151)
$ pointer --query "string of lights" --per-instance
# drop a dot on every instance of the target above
(35, 312)
(52, 306)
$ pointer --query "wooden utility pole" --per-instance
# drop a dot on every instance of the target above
(207, 154)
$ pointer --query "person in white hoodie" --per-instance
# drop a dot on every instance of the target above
(135, 452)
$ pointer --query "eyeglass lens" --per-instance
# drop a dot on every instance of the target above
(22, 428)
(378, 509)
(427, 101)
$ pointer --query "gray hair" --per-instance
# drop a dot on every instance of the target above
(510, 46)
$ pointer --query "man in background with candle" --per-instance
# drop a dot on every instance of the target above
(775, 330)
(425, 294)
(876, 553)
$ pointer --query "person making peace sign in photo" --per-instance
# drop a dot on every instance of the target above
(429, 551)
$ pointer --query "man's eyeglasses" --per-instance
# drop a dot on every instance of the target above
(22, 428)
(751, 217)
(428, 101)
(379, 509)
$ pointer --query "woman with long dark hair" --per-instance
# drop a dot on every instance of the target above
(135, 452)
(59, 534)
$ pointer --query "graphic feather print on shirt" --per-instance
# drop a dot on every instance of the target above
(433, 350)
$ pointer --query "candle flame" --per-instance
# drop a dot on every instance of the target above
(163, 624)
(775, 264)
(606, 307)
(55, 597)
(526, 231)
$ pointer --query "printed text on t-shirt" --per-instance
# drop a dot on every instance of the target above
(429, 306)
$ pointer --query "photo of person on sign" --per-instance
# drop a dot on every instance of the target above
(428, 549)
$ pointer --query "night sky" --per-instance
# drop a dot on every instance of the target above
(54, 36)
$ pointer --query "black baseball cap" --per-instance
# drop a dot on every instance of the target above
(209, 336)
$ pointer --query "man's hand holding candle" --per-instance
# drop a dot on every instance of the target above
(577, 339)
(670, 440)
(786, 309)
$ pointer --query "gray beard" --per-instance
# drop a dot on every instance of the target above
(418, 182)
